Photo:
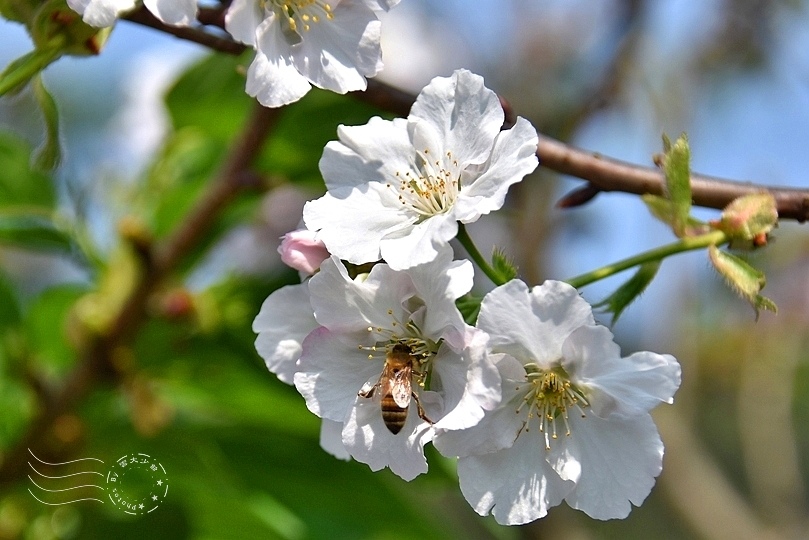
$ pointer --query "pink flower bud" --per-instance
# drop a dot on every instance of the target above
(300, 250)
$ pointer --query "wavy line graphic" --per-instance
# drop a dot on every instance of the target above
(66, 475)
(60, 504)
(62, 476)
(66, 462)
(65, 489)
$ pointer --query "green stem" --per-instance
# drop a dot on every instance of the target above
(21, 70)
(684, 244)
(470, 247)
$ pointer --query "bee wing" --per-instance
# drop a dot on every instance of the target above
(400, 389)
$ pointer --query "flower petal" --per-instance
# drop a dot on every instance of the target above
(419, 243)
(515, 484)
(243, 19)
(620, 459)
(338, 53)
(100, 13)
(282, 323)
(331, 439)
(374, 152)
(623, 386)
(532, 326)
(440, 283)
(468, 382)
(513, 157)
(381, 5)
(369, 441)
(466, 115)
(353, 224)
(175, 12)
(331, 373)
(344, 305)
(272, 78)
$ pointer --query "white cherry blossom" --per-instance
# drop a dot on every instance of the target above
(285, 318)
(360, 324)
(283, 322)
(332, 44)
(582, 430)
(396, 189)
(101, 13)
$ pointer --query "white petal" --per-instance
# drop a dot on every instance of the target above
(620, 459)
(513, 157)
(282, 323)
(466, 115)
(381, 5)
(373, 152)
(440, 283)
(420, 243)
(352, 224)
(100, 13)
(272, 78)
(176, 12)
(531, 326)
(331, 373)
(243, 19)
(623, 386)
(515, 484)
(499, 427)
(338, 54)
(344, 305)
(469, 383)
(331, 439)
(369, 441)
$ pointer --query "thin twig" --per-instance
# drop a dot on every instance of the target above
(197, 35)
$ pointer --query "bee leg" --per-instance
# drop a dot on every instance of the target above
(368, 393)
(422, 414)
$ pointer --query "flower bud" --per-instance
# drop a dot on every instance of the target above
(749, 217)
(302, 251)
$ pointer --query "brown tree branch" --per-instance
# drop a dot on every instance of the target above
(197, 35)
(601, 173)
(608, 174)
(96, 363)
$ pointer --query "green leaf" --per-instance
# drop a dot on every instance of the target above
(20, 184)
(9, 304)
(297, 142)
(676, 166)
(503, 265)
(660, 207)
(49, 154)
(629, 291)
(33, 231)
(210, 96)
(49, 327)
(17, 407)
(663, 210)
(179, 176)
(742, 278)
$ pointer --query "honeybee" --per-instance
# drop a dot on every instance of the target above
(395, 387)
